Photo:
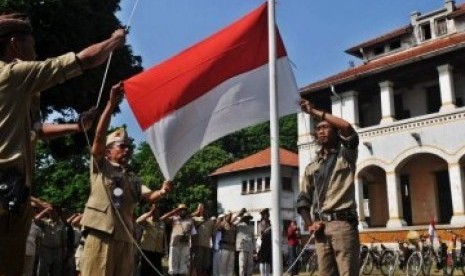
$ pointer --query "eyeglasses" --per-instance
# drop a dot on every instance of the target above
(122, 146)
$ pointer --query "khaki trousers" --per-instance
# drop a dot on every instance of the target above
(14, 228)
(104, 256)
(338, 247)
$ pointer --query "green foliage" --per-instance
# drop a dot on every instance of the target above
(62, 173)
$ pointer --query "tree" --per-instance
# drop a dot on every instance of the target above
(193, 184)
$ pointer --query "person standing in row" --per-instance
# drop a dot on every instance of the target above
(201, 247)
(108, 215)
(182, 228)
(153, 242)
(21, 79)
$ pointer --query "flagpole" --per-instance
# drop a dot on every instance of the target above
(274, 141)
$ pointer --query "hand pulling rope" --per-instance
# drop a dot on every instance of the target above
(107, 67)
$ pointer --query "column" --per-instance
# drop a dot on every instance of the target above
(359, 198)
(446, 85)
(350, 107)
(457, 192)
(394, 201)
(387, 102)
(336, 105)
(305, 141)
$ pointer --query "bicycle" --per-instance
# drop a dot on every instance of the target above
(453, 259)
(421, 258)
(372, 257)
(398, 260)
(309, 260)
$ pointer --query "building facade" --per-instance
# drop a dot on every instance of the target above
(246, 184)
(406, 101)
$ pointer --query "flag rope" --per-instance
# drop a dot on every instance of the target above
(107, 67)
(312, 236)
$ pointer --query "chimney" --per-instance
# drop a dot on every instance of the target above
(449, 5)
(414, 16)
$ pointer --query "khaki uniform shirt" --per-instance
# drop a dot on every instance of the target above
(20, 82)
(244, 237)
(153, 238)
(99, 214)
(204, 235)
(54, 233)
(228, 236)
(181, 227)
(340, 192)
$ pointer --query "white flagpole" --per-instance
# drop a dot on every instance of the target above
(274, 136)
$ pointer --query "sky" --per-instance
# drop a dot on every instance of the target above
(315, 32)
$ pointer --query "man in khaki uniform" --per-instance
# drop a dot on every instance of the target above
(328, 195)
(115, 191)
(21, 79)
(153, 242)
(201, 247)
(53, 245)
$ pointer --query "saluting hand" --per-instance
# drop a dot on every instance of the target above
(306, 106)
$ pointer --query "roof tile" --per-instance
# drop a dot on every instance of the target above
(259, 160)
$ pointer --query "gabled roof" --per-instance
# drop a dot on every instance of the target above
(259, 160)
(434, 47)
(355, 51)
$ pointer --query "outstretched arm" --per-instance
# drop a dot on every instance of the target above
(156, 195)
(50, 131)
(96, 54)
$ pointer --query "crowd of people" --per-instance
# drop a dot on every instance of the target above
(197, 244)
(193, 243)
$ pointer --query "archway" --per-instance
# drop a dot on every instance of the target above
(425, 186)
(375, 201)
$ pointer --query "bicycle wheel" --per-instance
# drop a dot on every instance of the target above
(312, 266)
(388, 262)
(414, 264)
(367, 266)
(427, 264)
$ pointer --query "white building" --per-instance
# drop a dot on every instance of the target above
(406, 100)
(246, 184)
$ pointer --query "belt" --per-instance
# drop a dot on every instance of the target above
(347, 215)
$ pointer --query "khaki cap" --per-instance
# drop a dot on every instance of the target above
(182, 206)
(413, 235)
(119, 135)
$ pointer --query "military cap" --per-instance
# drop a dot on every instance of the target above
(119, 135)
(182, 206)
(13, 23)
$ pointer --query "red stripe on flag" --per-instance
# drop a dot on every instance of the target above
(165, 88)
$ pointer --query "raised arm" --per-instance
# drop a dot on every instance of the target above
(170, 214)
(342, 125)
(98, 146)
(96, 54)
(143, 218)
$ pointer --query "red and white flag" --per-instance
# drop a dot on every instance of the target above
(432, 229)
(216, 87)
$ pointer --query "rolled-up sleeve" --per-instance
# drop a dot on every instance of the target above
(350, 147)
(37, 76)
(305, 197)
